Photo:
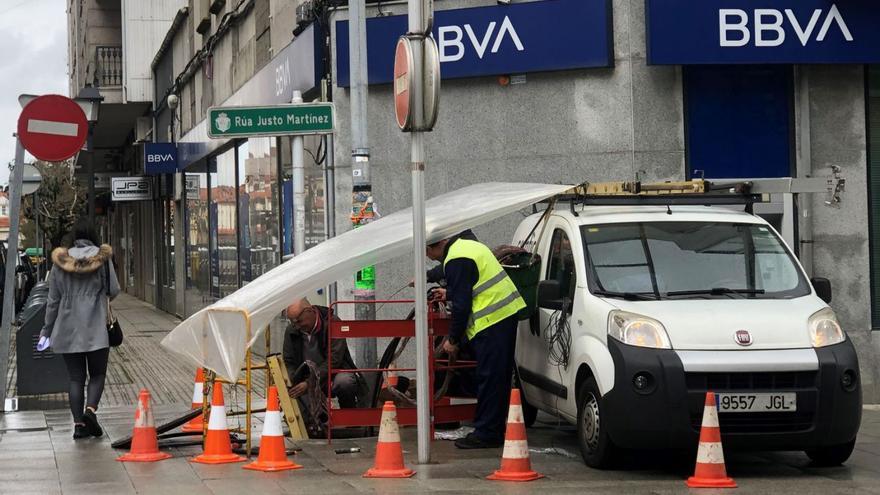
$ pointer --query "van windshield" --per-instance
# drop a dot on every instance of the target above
(660, 260)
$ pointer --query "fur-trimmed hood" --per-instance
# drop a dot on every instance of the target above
(88, 264)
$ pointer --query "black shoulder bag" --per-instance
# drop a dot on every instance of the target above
(114, 329)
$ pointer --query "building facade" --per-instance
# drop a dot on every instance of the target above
(541, 91)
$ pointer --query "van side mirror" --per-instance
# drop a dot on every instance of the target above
(823, 288)
(549, 295)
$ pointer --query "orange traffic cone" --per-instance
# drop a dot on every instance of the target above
(515, 463)
(195, 425)
(273, 456)
(144, 442)
(710, 471)
(218, 447)
(389, 453)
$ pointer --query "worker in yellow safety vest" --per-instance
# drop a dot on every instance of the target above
(484, 304)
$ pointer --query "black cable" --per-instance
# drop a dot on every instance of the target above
(558, 336)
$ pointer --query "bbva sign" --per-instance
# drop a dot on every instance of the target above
(770, 26)
(763, 31)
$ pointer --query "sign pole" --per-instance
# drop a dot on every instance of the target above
(299, 189)
(15, 185)
(418, 25)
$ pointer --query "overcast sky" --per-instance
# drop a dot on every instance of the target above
(33, 59)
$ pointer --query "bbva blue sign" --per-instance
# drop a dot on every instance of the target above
(160, 158)
(526, 37)
(769, 31)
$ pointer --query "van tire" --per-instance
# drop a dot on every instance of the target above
(832, 455)
(596, 446)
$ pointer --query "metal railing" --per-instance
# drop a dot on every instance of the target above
(108, 66)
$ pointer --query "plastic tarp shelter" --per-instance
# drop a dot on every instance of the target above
(217, 336)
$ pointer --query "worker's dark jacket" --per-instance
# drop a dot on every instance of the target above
(299, 347)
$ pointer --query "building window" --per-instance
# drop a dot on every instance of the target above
(739, 120)
(258, 193)
(224, 232)
(873, 125)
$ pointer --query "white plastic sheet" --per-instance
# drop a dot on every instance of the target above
(216, 337)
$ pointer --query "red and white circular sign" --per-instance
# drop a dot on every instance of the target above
(403, 73)
(52, 128)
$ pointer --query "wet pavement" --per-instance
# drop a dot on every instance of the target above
(38, 455)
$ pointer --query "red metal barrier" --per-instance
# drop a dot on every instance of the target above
(438, 325)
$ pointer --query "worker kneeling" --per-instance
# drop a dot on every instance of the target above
(484, 305)
(305, 357)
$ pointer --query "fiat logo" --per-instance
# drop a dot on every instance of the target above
(743, 337)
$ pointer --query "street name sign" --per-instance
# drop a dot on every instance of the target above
(53, 128)
(275, 120)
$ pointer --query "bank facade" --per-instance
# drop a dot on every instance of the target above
(542, 91)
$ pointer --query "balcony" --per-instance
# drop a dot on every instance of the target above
(108, 67)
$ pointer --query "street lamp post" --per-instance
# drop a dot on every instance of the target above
(89, 99)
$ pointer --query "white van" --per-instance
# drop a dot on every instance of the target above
(643, 309)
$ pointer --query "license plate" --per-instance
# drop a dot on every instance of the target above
(732, 403)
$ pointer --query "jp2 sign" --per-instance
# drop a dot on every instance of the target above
(131, 188)
(503, 39)
(770, 31)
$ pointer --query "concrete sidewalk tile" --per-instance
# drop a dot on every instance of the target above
(325, 485)
(22, 419)
(46, 487)
(98, 488)
(163, 487)
(239, 486)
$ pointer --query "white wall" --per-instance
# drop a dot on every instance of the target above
(144, 25)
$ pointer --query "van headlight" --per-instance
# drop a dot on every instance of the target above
(824, 328)
(635, 329)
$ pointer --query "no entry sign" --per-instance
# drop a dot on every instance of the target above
(52, 128)
(403, 82)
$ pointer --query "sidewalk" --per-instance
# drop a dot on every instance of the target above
(140, 362)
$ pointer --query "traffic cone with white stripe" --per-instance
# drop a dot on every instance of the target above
(144, 442)
(710, 471)
(273, 456)
(218, 446)
(515, 463)
(195, 425)
(389, 453)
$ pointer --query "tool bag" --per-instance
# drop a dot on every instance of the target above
(524, 269)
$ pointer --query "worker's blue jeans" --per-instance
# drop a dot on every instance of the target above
(493, 348)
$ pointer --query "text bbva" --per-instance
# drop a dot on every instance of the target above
(160, 158)
(770, 27)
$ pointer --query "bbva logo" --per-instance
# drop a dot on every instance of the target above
(160, 158)
(452, 46)
(769, 26)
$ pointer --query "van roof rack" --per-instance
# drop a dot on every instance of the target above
(692, 192)
(702, 192)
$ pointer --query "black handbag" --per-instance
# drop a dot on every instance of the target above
(114, 329)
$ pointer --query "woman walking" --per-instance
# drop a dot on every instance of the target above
(76, 320)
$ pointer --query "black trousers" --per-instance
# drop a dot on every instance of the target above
(493, 349)
(78, 364)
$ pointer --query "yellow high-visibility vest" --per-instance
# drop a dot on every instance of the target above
(494, 295)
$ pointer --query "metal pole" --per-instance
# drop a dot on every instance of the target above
(330, 203)
(11, 259)
(416, 12)
(299, 189)
(362, 190)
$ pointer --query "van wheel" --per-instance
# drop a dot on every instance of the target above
(832, 455)
(595, 444)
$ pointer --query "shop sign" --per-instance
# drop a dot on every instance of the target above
(131, 188)
(525, 37)
(276, 120)
(193, 184)
(160, 158)
(771, 32)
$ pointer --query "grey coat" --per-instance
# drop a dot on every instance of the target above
(76, 313)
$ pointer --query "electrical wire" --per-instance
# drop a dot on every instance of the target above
(557, 334)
